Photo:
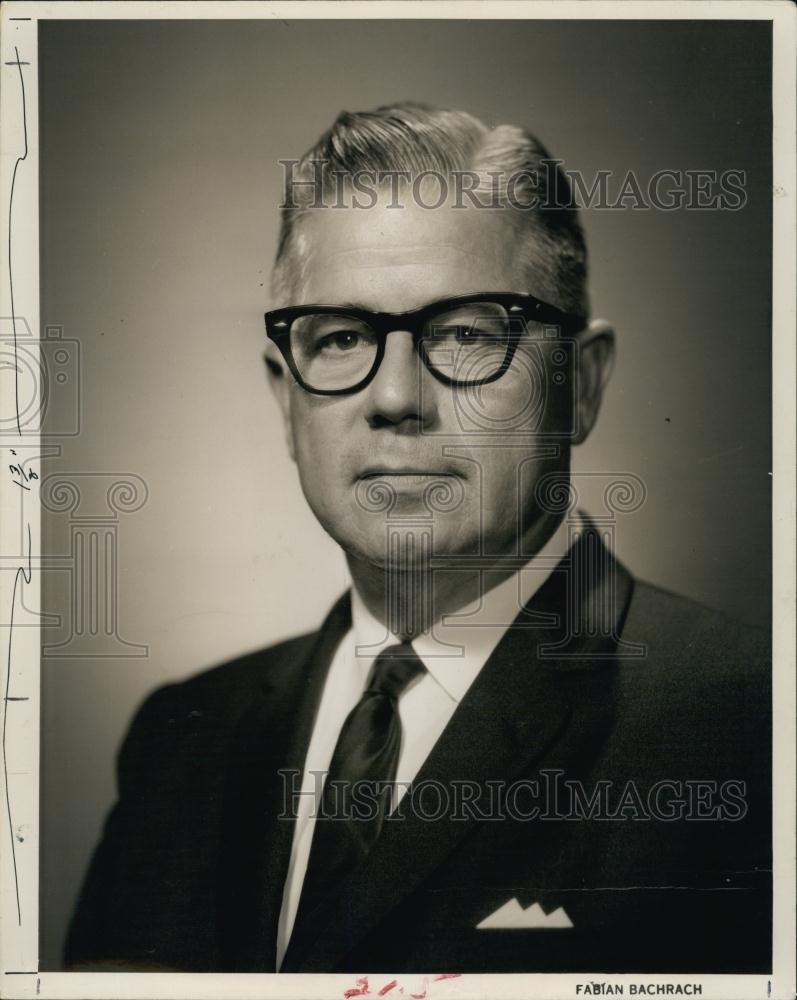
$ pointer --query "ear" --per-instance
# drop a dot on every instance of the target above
(279, 379)
(595, 362)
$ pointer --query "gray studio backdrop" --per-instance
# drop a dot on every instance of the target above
(159, 187)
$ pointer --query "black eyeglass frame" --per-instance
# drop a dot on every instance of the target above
(519, 306)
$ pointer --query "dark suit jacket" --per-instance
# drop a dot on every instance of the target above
(601, 680)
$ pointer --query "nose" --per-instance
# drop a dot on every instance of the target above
(402, 393)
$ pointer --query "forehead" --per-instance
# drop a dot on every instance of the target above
(395, 259)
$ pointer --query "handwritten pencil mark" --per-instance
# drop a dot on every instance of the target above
(25, 477)
(26, 576)
(19, 160)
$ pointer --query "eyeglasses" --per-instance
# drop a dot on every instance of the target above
(469, 340)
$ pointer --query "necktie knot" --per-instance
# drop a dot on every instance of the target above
(394, 668)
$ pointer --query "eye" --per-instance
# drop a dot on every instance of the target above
(477, 331)
(340, 340)
(475, 323)
(330, 335)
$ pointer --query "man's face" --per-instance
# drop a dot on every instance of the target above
(406, 431)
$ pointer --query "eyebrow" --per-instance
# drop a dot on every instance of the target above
(364, 308)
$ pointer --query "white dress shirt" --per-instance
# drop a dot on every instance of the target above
(453, 652)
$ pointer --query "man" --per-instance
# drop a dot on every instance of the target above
(499, 753)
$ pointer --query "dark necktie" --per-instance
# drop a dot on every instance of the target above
(367, 751)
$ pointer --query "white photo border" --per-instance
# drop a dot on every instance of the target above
(20, 531)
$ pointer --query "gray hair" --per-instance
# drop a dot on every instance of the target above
(417, 139)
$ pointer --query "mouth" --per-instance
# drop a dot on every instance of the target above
(408, 474)
(407, 478)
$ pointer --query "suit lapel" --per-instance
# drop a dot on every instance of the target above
(269, 744)
(538, 686)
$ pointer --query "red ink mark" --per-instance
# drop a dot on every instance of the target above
(387, 988)
(447, 975)
(360, 990)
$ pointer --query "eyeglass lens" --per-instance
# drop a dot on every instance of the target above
(466, 343)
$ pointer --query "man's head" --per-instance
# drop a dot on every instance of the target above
(409, 146)
(394, 210)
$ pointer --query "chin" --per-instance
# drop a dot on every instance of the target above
(413, 546)
(399, 539)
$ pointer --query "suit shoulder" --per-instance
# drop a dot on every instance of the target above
(664, 620)
(215, 697)
(691, 655)
(227, 686)
(694, 681)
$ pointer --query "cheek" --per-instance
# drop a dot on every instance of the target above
(514, 404)
(533, 396)
(310, 449)
(321, 433)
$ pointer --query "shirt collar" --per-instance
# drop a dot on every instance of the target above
(459, 645)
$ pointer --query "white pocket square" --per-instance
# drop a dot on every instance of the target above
(512, 914)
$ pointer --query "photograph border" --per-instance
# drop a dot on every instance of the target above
(21, 550)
